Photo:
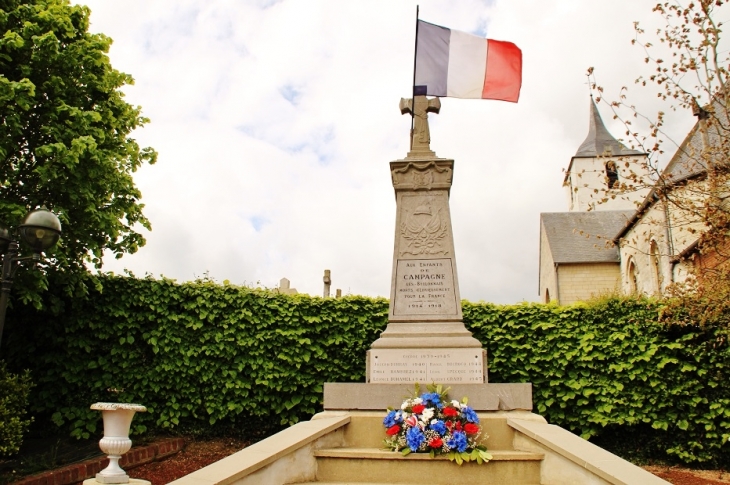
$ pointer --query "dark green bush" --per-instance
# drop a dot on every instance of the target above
(14, 390)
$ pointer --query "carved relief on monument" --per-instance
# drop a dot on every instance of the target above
(422, 175)
(423, 230)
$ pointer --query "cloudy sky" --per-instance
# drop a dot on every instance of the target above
(275, 122)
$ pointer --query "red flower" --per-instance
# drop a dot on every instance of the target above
(458, 426)
(393, 430)
(436, 443)
(418, 408)
(451, 412)
(449, 424)
(471, 428)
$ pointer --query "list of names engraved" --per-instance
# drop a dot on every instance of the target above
(424, 287)
(395, 366)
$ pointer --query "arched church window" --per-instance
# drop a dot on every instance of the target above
(633, 286)
(655, 268)
(611, 174)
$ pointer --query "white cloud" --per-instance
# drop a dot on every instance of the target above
(275, 123)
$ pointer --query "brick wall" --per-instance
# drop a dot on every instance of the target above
(78, 472)
(714, 259)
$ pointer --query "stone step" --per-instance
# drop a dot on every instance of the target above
(371, 465)
(349, 483)
(415, 481)
(378, 454)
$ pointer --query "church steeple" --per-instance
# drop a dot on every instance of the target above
(599, 141)
(601, 167)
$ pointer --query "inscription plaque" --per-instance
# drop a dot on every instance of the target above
(395, 366)
(424, 287)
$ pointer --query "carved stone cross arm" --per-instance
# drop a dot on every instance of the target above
(420, 106)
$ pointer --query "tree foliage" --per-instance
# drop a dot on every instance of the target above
(65, 136)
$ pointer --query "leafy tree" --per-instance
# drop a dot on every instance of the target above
(65, 138)
(690, 67)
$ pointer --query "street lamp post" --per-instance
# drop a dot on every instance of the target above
(40, 230)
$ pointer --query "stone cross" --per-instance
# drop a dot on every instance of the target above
(327, 282)
(420, 106)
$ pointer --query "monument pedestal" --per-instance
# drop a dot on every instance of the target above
(426, 340)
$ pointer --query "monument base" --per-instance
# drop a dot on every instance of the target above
(426, 365)
(426, 334)
(378, 397)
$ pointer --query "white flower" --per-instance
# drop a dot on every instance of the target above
(456, 404)
(418, 400)
(427, 415)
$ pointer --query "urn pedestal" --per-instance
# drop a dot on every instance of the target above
(117, 419)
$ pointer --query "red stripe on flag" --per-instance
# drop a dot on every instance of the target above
(503, 77)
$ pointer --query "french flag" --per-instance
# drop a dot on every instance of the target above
(460, 65)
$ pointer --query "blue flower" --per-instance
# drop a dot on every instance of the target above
(432, 398)
(414, 438)
(393, 418)
(439, 427)
(470, 415)
(457, 441)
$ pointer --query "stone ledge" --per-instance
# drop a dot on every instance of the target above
(482, 397)
(78, 472)
(584, 454)
(238, 466)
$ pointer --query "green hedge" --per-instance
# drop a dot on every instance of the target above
(202, 354)
(194, 353)
(14, 390)
(609, 365)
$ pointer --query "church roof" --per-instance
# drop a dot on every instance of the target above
(581, 237)
(599, 140)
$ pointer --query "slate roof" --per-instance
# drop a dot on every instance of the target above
(568, 245)
(687, 161)
(599, 139)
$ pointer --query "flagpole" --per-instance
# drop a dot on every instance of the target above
(413, 88)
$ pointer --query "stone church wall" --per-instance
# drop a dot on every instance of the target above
(548, 289)
(583, 281)
(653, 271)
(588, 176)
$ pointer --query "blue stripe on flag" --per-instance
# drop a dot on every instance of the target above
(432, 58)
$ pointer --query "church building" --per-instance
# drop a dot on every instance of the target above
(578, 259)
(618, 235)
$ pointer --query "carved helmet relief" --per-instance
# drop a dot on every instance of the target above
(423, 230)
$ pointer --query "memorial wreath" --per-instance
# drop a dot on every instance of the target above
(430, 423)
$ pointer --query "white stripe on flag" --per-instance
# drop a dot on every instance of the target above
(467, 65)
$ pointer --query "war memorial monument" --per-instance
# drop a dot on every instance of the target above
(425, 342)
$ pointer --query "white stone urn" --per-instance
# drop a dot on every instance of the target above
(117, 420)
